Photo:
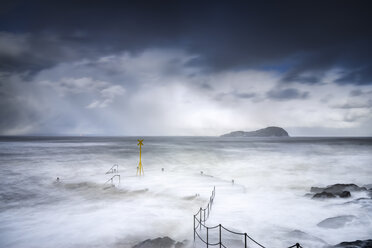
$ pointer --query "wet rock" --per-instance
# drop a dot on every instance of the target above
(362, 202)
(345, 194)
(164, 242)
(355, 244)
(181, 244)
(324, 195)
(331, 191)
(305, 239)
(368, 186)
(370, 193)
(336, 222)
(338, 188)
(316, 189)
(308, 195)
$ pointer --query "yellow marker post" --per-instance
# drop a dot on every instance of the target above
(140, 168)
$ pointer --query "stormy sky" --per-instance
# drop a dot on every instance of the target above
(185, 67)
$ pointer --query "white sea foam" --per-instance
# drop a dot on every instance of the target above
(267, 199)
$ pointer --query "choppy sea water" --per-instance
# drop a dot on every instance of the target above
(267, 199)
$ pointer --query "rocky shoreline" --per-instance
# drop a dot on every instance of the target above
(337, 190)
(166, 242)
(316, 193)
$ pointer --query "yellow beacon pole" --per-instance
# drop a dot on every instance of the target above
(140, 168)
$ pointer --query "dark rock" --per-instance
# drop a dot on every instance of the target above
(336, 222)
(338, 188)
(308, 195)
(341, 190)
(184, 244)
(368, 186)
(355, 244)
(363, 202)
(265, 132)
(324, 195)
(316, 189)
(345, 194)
(164, 242)
(304, 239)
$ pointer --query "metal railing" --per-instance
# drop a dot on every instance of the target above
(112, 179)
(113, 170)
(202, 216)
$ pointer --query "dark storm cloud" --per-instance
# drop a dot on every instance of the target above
(32, 52)
(286, 94)
(64, 65)
(361, 76)
(314, 36)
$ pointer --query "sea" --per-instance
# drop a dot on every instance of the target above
(262, 188)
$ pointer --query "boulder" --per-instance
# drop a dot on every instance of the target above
(316, 189)
(368, 186)
(164, 242)
(305, 239)
(363, 202)
(338, 188)
(345, 194)
(331, 191)
(324, 195)
(336, 222)
(355, 244)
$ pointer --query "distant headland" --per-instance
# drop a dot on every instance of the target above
(265, 132)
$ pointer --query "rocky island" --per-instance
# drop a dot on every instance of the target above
(265, 132)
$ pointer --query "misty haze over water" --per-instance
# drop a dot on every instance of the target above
(272, 176)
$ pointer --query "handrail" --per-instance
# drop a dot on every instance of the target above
(237, 233)
(112, 179)
(297, 245)
(200, 217)
(112, 169)
(201, 238)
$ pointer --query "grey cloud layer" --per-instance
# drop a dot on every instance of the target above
(158, 92)
(285, 94)
(183, 67)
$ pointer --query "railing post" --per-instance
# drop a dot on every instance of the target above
(207, 238)
(194, 228)
(204, 217)
(200, 218)
(220, 234)
(245, 240)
